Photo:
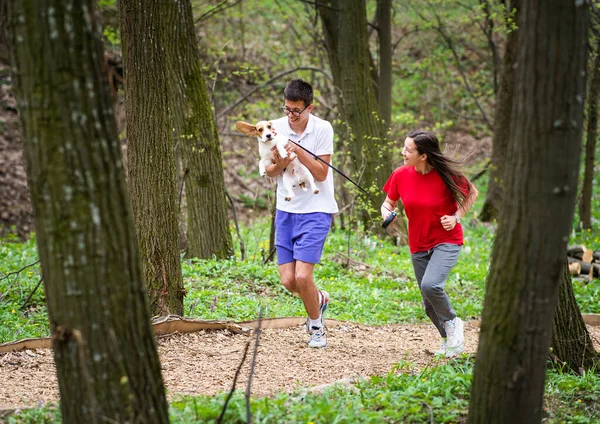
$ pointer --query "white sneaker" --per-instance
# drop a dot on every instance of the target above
(442, 349)
(317, 337)
(455, 342)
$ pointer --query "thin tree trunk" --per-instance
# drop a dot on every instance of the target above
(384, 25)
(150, 151)
(571, 342)
(585, 204)
(104, 350)
(345, 28)
(535, 221)
(502, 123)
(196, 131)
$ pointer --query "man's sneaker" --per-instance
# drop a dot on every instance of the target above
(317, 337)
(455, 342)
(442, 349)
(324, 302)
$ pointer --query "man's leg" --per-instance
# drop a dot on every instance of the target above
(307, 289)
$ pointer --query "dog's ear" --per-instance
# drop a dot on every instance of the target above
(246, 128)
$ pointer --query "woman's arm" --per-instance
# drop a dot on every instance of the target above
(387, 207)
(469, 201)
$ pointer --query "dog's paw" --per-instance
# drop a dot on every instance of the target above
(263, 173)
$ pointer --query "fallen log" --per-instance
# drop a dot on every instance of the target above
(582, 253)
(586, 268)
(574, 268)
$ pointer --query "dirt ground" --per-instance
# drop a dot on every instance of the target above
(205, 362)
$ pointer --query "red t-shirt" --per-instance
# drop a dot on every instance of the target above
(426, 199)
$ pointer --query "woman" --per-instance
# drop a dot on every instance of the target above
(435, 196)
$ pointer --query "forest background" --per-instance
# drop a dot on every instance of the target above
(445, 68)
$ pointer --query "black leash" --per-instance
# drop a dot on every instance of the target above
(332, 167)
(387, 221)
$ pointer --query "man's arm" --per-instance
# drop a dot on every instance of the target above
(317, 168)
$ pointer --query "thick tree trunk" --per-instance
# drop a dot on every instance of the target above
(502, 122)
(535, 221)
(196, 131)
(571, 342)
(104, 349)
(585, 204)
(345, 28)
(150, 151)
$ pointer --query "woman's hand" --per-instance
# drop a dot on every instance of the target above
(448, 222)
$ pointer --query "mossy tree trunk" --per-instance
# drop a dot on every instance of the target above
(105, 354)
(535, 220)
(197, 138)
(345, 28)
(571, 342)
(502, 122)
(150, 150)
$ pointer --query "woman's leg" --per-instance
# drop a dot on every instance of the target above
(442, 259)
(420, 261)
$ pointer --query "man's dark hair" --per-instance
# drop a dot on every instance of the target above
(299, 90)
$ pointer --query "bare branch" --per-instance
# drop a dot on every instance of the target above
(235, 377)
(224, 5)
(228, 109)
(16, 272)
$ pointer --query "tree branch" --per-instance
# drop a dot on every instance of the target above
(228, 109)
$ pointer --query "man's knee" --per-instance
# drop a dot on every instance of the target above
(289, 282)
(302, 279)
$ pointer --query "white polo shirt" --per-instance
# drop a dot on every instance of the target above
(318, 139)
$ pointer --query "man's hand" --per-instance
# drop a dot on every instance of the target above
(279, 161)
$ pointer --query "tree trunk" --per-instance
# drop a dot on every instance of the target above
(345, 27)
(150, 151)
(571, 342)
(106, 361)
(384, 96)
(535, 222)
(502, 122)
(196, 131)
(585, 204)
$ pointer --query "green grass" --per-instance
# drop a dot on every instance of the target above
(439, 393)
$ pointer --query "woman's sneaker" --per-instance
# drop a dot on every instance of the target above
(455, 344)
(317, 337)
(442, 349)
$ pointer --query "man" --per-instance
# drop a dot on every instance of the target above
(303, 222)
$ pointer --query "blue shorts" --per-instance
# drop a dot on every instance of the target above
(300, 236)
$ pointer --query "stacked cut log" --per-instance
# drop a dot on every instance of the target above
(584, 262)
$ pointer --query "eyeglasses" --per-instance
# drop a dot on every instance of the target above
(294, 112)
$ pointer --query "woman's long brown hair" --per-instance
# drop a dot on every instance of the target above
(427, 143)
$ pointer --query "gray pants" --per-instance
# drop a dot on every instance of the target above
(431, 269)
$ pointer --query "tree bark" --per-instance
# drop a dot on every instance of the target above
(585, 204)
(196, 135)
(150, 151)
(502, 122)
(345, 28)
(535, 222)
(571, 341)
(384, 25)
(105, 354)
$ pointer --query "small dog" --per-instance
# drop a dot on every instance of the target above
(295, 174)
